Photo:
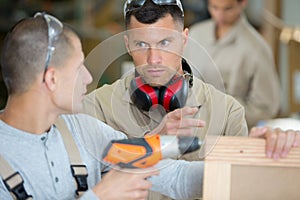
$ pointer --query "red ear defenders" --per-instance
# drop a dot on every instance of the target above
(171, 96)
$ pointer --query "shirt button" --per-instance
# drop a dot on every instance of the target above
(43, 138)
(56, 179)
(52, 163)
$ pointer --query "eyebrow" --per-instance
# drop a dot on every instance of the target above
(167, 38)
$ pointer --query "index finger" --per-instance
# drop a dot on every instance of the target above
(181, 112)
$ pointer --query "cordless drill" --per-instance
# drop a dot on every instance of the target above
(146, 152)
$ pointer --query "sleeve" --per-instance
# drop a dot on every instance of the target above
(264, 98)
(179, 179)
(236, 123)
(92, 106)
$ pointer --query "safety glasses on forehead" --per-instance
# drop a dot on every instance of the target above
(55, 28)
(131, 5)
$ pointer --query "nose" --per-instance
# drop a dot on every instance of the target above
(87, 76)
(219, 15)
(154, 56)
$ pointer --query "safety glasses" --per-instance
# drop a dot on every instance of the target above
(55, 28)
(131, 5)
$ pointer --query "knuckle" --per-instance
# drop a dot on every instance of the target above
(272, 136)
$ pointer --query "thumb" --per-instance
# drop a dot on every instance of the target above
(257, 132)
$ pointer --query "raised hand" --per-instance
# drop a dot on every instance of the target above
(179, 122)
(278, 142)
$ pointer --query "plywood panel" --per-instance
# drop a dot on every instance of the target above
(237, 168)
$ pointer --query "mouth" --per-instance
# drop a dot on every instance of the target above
(155, 72)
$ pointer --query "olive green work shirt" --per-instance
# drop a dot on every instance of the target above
(112, 104)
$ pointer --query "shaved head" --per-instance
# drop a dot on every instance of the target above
(24, 51)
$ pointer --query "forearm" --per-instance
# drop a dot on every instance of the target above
(179, 179)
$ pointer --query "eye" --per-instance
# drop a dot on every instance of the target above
(228, 9)
(141, 45)
(165, 43)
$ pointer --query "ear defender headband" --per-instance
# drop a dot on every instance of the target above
(171, 96)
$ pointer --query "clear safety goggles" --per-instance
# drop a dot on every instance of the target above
(131, 5)
(55, 28)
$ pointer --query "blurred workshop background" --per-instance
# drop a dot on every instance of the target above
(96, 20)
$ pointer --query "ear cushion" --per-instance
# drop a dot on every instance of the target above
(174, 94)
(143, 95)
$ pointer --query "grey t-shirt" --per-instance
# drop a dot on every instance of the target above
(43, 162)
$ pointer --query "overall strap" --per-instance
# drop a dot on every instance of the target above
(78, 169)
(13, 181)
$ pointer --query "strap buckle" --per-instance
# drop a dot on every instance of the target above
(15, 184)
(80, 174)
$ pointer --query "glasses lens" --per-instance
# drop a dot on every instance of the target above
(55, 28)
(131, 5)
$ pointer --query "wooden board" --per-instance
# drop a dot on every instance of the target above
(237, 168)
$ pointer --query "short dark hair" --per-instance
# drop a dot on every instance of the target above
(24, 50)
(150, 13)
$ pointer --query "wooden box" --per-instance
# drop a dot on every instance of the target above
(237, 169)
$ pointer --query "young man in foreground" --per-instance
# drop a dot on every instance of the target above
(42, 65)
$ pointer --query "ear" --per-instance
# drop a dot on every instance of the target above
(50, 78)
(185, 34)
(126, 40)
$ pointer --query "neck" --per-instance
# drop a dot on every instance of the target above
(221, 31)
(29, 113)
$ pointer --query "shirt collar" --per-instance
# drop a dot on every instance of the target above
(232, 34)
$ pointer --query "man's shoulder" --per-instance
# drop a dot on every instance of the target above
(213, 94)
(120, 86)
(81, 120)
(252, 38)
(202, 32)
(201, 25)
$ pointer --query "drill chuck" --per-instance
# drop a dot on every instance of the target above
(175, 146)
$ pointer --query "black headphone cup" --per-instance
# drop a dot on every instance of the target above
(171, 96)
(142, 95)
(174, 95)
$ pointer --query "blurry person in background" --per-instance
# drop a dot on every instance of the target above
(244, 59)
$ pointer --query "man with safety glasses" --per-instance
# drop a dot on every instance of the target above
(155, 100)
(42, 65)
